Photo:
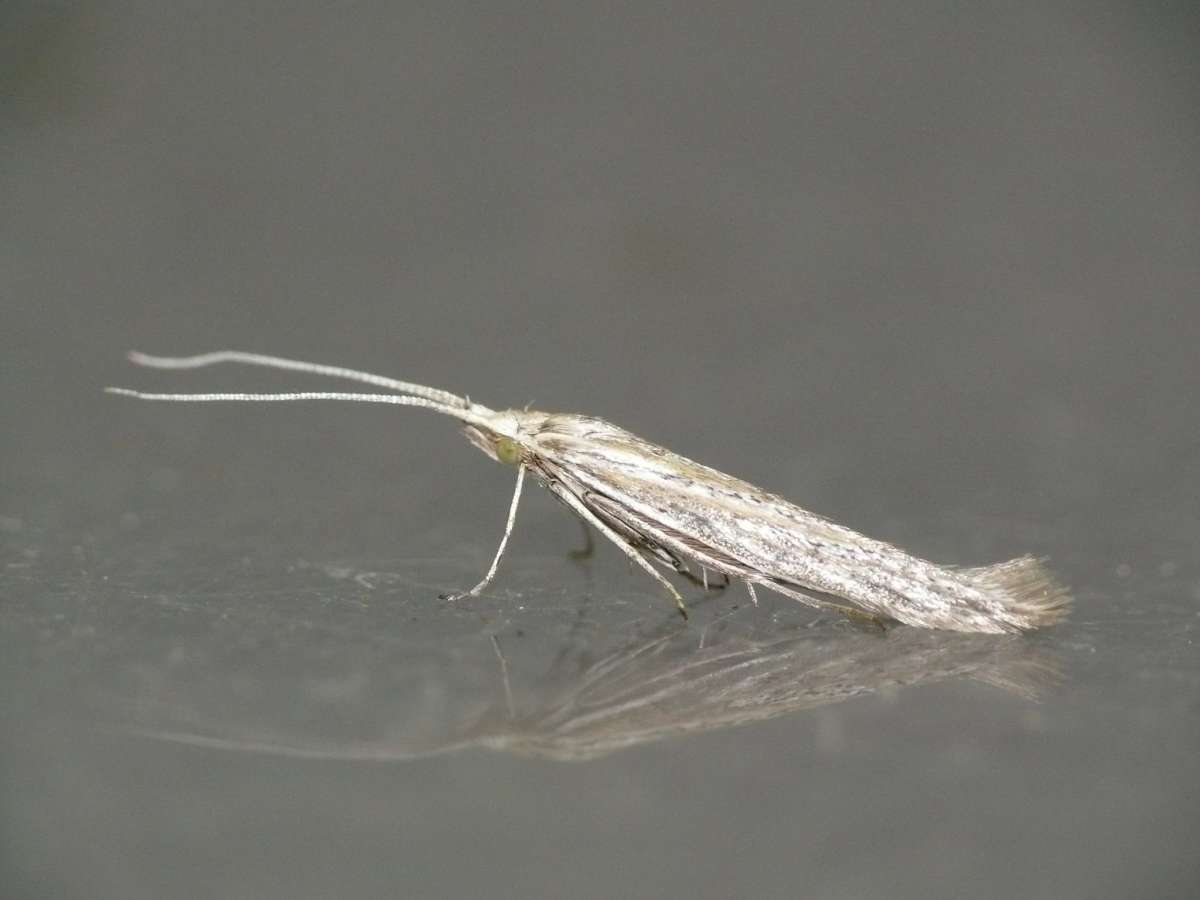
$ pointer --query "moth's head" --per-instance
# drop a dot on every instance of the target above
(506, 436)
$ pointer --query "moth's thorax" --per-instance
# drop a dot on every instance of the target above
(507, 434)
(570, 425)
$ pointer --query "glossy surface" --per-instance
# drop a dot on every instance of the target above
(931, 275)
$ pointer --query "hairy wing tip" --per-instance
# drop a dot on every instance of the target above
(1031, 593)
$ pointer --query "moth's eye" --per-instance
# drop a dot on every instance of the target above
(508, 451)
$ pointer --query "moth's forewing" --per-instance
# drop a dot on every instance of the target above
(693, 510)
(732, 526)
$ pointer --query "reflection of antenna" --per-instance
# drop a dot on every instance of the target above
(656, 686)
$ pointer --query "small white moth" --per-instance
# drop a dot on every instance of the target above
(658, 507)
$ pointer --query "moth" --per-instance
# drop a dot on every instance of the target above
(663, 510)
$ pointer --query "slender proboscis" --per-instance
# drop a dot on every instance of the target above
(661, 508)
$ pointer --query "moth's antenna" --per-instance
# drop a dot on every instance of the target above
(295, 365)
(395, 399)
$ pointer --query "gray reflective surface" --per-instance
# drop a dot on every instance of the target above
(933, 275)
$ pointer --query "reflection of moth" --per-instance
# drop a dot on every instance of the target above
(591, 702)
(662, 688)
(659, 507)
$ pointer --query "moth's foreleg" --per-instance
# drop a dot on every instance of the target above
(626, 547)
(589, 545)
(508, 527)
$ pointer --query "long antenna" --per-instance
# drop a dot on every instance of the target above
(277, 362)
(465, 415)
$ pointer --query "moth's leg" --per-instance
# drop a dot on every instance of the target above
(589, 546)
(852, 613)
(508, 527)
(702, 579)
(858, 617)
(668, 558)
(750, 588)
(628, 549)
(715, 587)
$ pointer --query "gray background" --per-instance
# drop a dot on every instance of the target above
(929, 269)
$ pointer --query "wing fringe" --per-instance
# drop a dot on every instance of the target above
(1027, 590)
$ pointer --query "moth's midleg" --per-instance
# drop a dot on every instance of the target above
(628, 549)
(508, 527)
(702, 579)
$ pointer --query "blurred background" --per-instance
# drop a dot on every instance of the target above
(931, 270)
